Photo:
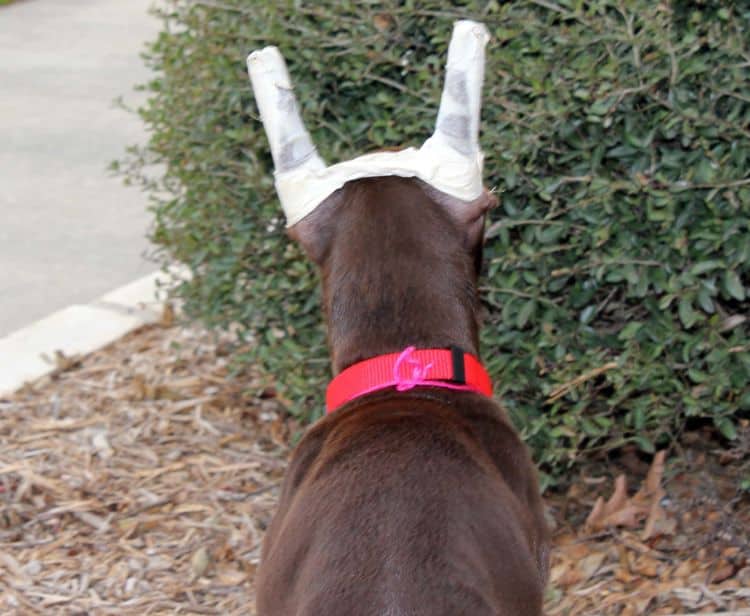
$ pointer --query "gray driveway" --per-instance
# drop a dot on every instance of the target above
(68, 230)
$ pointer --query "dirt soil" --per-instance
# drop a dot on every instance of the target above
(139, 480)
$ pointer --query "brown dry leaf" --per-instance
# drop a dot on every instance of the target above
(577, 551)
(629, 512)
(647, 566)
(230, 576)
(630, 516)
(624, 576)
(651, 487)
(64, 362)
(641, 604)
(200, 561)
(724, 571)
(658, 523)
(629, 610)
(743, 577)
(558, 571)
(589, 565)
(619, 510)
(684, 569)
(140, 388)
(168, 315)
(570, 577)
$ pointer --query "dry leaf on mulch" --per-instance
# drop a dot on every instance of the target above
(630, 511)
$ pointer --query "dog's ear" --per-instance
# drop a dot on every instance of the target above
(467, 215)
(315, 231)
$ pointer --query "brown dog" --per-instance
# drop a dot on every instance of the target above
(423, 502)
(418, 500)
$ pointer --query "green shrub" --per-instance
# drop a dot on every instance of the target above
(618, 137)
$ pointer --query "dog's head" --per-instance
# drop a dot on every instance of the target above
(449, 163)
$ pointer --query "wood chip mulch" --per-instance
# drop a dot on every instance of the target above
(139, 480)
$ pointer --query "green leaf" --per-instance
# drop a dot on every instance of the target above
(726, 427)
(705, 172)
(630, 330)
(706, 266)
(666, 301)
(639, 419)
(733, 285)
(526, 312)
(697, 376)
(688, 316)
(705, 301)
(587, 314)
(644, 443)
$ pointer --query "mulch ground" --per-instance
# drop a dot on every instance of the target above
(139, 480)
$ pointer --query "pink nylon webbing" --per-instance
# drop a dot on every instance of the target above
(410, 368)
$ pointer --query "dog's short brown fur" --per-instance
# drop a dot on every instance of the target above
(415, 503)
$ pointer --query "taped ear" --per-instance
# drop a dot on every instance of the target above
(292, 148)
(456, 137)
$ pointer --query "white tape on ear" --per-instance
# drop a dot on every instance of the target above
(291, 146)
(457, 123)
(301, 191)
(450, 160)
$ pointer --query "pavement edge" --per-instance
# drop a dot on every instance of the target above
(28, 353)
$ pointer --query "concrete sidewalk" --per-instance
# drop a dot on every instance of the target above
(68, 231)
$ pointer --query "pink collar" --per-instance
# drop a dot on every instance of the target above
(448, 368)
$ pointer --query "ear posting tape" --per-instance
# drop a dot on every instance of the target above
(450, 160)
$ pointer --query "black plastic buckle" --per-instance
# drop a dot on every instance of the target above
(459, 369)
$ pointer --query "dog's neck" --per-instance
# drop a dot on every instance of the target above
(397, 273)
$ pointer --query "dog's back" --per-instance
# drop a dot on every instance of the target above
(413, 504)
